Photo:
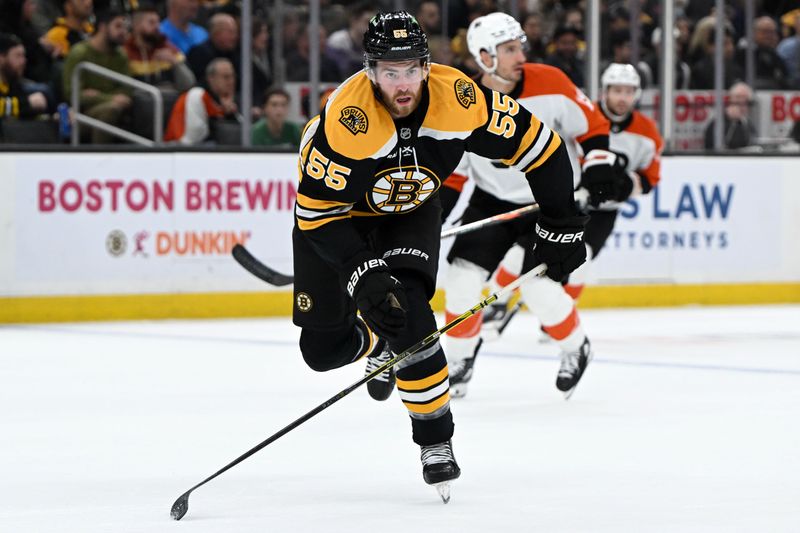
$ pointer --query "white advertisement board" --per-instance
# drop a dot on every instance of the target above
(130, 223)
(710, 220)
(137, 223)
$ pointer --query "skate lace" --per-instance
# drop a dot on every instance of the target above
(569, 363)
(373, 362)
(437, 453)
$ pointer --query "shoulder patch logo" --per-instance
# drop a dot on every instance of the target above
(465, 92)
(354, 119)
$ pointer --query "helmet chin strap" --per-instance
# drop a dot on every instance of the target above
(498, 77)
(492, 71)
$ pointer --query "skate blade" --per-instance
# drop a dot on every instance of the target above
(568, 394)
(443, 489)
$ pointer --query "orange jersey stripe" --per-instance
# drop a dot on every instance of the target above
(467, 329)
(574, 291)
(544, 79)
(641, 125)
(455, 182)
(504, 277)
(562, 330)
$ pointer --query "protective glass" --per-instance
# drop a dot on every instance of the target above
(388, 74)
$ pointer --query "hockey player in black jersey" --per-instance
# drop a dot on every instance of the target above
(366, 235)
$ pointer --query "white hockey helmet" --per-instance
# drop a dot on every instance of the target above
(622, 74)
(489, 31)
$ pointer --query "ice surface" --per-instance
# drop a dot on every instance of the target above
(686, 420)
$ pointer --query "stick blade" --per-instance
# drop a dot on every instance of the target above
(259, 269)
(180, 507)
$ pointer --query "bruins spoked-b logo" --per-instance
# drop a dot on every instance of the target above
(116, 243)
(465, 92)
(402, 189)
(304, 302)
(354, 119)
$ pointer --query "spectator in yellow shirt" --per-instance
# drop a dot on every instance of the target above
(70, 29)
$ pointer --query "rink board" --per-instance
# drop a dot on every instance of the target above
(147, 235)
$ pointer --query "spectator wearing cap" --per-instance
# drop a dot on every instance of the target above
(565, 54)
(102, 98)
(178, 26)
(274, 130)
(15, 101)
(152, 58)
(71, 29)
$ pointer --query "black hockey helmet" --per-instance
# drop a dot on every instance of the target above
(395, 36)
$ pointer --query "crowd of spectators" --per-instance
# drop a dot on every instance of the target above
(177, 46)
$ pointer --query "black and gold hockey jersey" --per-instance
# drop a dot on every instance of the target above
(356, 161)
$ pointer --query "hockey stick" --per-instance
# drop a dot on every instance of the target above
(259, 269)
(181, 505)
(490, 221)
(273, 277)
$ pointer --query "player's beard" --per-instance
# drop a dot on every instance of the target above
(619, 108)
(397, 111)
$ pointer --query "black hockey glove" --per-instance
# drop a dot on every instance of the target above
(559, 244)
(604, 176)
(379, 296)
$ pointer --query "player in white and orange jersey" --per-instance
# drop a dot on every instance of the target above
(496, 41)
(636, 138)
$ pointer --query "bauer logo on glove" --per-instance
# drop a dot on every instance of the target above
(564, 238)
(361, 270)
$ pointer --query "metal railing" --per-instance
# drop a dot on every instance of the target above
(80, 118)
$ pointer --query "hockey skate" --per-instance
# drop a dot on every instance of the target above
(461, 373)
(573, 365)
(381, 387)
(439, 467)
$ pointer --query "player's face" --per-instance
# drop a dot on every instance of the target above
(400, 84)
(620, 99)
(510, 58)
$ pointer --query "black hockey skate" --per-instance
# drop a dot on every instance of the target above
(461, 373)
(439, 467)
(381, 387)
(573, 365)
